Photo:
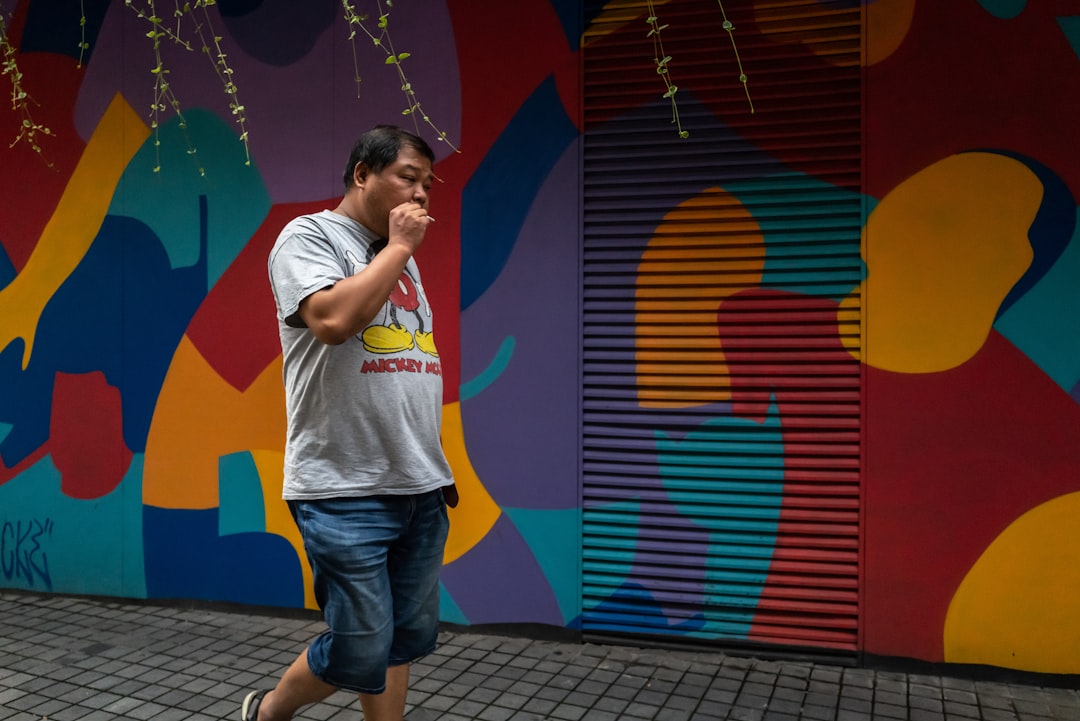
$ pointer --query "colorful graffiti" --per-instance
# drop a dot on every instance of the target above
(141, 422)
(141, 409)
(969, 366)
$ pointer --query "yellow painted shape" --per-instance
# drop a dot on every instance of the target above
(788, 23)
(887, 24)
(199, 418)
(270, 466)
(477, 511)
(1019, 605)
(615, 15)
(74, 224)
(680, 362)
(942, 250)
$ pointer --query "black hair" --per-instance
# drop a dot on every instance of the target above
(379, 147)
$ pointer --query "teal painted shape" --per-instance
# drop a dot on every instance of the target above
(241, 508)
(626, 512)
(449, 611)
(5, 428)
(554, 536)
(168, 201)
(490, 374)
(741, 517)
(51, 542)
(794, 210)
(1071, 27)
(1003, 9)
(1045, 322)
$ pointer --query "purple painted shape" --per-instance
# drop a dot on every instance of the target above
(522, 430)
(302, 118)
(1075, 393)
(500, 581)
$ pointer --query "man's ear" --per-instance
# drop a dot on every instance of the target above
(360, 173)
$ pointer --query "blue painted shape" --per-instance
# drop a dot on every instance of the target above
(1050, 230)
(51, 542)
(274, 32)
(1045, 322)
(490, 374)
(203, 221)
(793, 209)
(242, 508)
(499, 194)
(742, 516)
(449, 611)
(54, 27)
(555, 539)
(570, 16)
(122, 311)
(634, 609)
(25, 403)
(7, 268)
(1003, 9)
(185, 558)
(1071, 27)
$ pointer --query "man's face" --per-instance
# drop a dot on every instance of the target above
(407, 179)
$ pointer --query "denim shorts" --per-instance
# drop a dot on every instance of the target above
(375, 562)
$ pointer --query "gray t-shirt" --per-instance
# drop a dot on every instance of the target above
(363, 416)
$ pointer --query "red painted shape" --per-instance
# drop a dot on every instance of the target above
(957, 83)
(952, 459)
(27, 182)
(505, 51)
(86, 435)
(695, 37)
(235, 328)
(817, 465)
(439, 259)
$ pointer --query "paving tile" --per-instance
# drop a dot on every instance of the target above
(88, 660)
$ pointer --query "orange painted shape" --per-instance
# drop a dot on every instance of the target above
(788, 25)
(73, 226)
(270, 466)
(199, 418)
(1018, 606)
(477, 511)
(887, 24)
(943, 250)
(692, 264)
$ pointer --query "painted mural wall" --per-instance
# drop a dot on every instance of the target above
(972, 464)
(141, 407)
(141, 422)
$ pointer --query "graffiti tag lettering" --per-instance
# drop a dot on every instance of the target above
(21, 553)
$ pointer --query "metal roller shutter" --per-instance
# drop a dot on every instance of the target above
(721, 386)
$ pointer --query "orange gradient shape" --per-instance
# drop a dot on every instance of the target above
(705, 250)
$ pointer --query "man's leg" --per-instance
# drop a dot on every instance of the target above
(297, 688)
(390, 704)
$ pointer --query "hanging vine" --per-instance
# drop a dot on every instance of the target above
(198, 15)
(384, 42)
(29, 129)
(662, 59)
(163, 96)
(742, 73)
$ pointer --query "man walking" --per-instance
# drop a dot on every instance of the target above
(365, 476)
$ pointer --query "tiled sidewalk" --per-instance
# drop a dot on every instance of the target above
(73, 659)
